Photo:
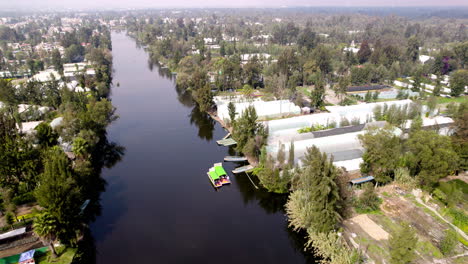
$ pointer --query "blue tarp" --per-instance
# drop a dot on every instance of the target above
(27, 255)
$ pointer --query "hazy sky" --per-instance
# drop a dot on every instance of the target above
(44, 4)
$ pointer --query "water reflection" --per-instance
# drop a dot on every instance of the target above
(298, 240)
(204, 122)
(106, 155)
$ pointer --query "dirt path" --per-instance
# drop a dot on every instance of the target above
(459, 231)
(370, 227)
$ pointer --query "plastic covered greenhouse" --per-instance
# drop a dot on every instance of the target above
(264, 109)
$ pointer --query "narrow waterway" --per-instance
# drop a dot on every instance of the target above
(159, 206)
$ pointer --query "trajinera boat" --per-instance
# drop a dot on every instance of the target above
(218, 175)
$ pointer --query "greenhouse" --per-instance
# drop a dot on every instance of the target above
(264, 109)
(346, 149)
(362, 113)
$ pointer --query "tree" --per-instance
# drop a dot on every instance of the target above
(460, 134)
(342, 86)
(58, 193)
(222, 50)
(461, 53)
(449, 242)
(246, 127)
(288, 62)
(417, 81)
(382, 153)
(317, 95)
(368, 201)
(232, 112)
(307, 39)
(322, 56)
(429, 157)
(402, 245)
(458, 82)
(46, 135)
(204, 98)
(412, 49)
(57, 61)
(314, 203)
(437, 87)
(291, 154)
(47, 227)
(332, 248)
(364, 52)
(272, 178)
(247, 91)
(7, 92)
(253, 72)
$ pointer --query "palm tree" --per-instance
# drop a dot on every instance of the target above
(46, 226)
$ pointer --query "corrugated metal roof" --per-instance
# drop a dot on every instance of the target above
(362, 180)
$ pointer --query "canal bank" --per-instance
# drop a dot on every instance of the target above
(159, 206)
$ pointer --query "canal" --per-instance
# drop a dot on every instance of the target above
(159, 206)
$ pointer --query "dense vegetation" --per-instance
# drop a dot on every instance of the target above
(58, 168)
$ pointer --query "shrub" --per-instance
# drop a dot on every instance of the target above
(9, 218)
(368, 201)
(448, 243)
(304, 130)
(24, 198)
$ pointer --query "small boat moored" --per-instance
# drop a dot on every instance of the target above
(245, 168)
(218, 175)
(214, 178)
(235, 158)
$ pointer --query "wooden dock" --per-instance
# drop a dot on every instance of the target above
(235, 158)
(245, 168)
(226, 136)
(226, 142)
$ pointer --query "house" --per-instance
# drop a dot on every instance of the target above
(262, 57)
(424, 58)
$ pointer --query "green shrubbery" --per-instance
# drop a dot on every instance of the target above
(368, 201)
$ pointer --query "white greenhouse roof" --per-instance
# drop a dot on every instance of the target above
(363, 112)
(13, 233)
(264, 109)
(28, 127)
(45, 76)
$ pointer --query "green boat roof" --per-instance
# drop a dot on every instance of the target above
(220, 170)
(214, 175)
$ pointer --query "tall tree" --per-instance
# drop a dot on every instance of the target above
(460, 134)
(382, 153)
(314, 203)
(322, 56)
(412, 48)
(232, 112)
(58, 193)
(364, 52)
(57, 61)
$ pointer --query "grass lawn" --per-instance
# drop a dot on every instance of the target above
(427, 248)
(65, 256)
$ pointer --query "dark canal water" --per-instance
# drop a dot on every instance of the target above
(159, 206)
